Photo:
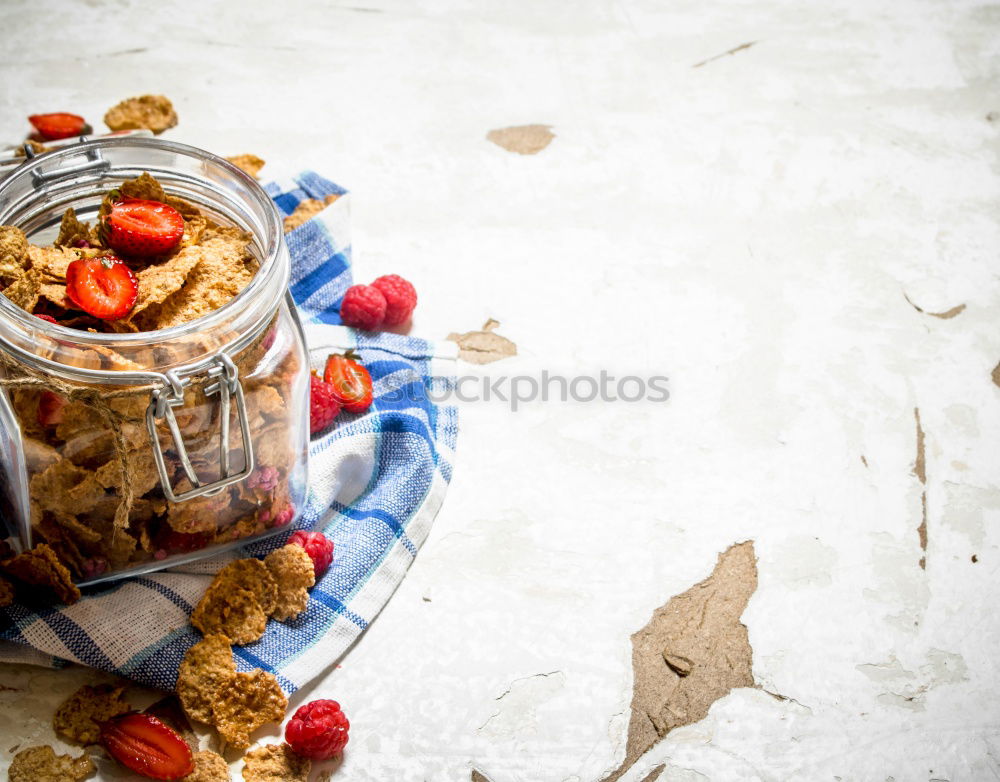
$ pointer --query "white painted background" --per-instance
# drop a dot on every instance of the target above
(748, 228)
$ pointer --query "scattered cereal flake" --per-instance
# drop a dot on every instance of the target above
(232, 611)
(55, 293)
(141, 466)
(248, 701)
(51, 262)
(294, 572)
(148, 112)
(36, 146)
(13, 252)
(254, 575)
(186, 208)
(73, 230)
(206, 669)
(145, 186)
(266, 401)
(275, 763)
(6, 592)
(306, 210)
(41, 567)
(66, 488)
(76, 720)
(42, 764)
(208, 767)
(194, 227)
(204, 514)
(251, 164)
(158, 282)
(25, 291)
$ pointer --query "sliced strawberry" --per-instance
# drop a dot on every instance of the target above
(59, 125)
(46, 318)
(104, 287)
(352, 385)
(143, 228)
(50, 409)
(143, 744)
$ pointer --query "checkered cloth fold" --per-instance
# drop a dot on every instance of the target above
(376, 483)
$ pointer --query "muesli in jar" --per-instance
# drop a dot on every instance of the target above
(97, 500)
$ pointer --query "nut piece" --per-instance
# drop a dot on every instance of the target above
(247, 702)
(294, 573)
(41, 567)
(42, 764)
(208, 767)
(206, 669)
(149, 112)
(275, 763)
(77, 718)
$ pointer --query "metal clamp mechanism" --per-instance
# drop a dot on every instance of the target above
(161, 408)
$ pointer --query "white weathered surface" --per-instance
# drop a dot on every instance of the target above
(749, 228)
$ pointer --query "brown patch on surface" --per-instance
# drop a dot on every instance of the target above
(995, 374)
(920, 470)
(729, 52)
(479, 776)
(206, 669)
(975, 559)
(41, 567)
(701, 627)
(275, 763)
(208, 767)
(946, 315)
(146, 112)
(864, 461)
(250, 164)
(76, 720)
(653, 775)
(42, 764)
(307, 210)
(483, 347)
(294, 573)
(246, 703)
(522, 139)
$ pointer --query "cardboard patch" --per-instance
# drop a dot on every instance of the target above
(146, 112)
(76, 720)
(208, 767)
(251, 164)
(42, 764)
(246, 703)
(206, 669)
(41, 567)
(275, 763)
(294, 574)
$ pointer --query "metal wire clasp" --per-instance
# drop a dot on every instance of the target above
(171, 395)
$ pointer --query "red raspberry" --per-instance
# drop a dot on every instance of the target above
(323, 405)
(363, 307)
(400, 298)
(318, 546)
(318, 730)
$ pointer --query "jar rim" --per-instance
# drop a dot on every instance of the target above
(271, 243)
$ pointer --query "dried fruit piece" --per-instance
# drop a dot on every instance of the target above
(206, 669)
(318, 730)
(143, 228)
(323, 405)
(146, 112)
(247, 702)
(293, 570)
(352, 384)
(58, 125)
(42, 764)
(76, 720)
(41, 567)
(400, 298)
(275, 763)
(143, 744)
(208, 767)
(251, 164)
(317, 545)
(363, 307)
(103, 287)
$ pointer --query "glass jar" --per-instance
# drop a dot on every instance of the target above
(164, 446)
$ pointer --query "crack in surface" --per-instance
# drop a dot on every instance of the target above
(729, 52)
(920, 470)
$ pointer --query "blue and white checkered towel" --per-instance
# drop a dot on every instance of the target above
(376, 483)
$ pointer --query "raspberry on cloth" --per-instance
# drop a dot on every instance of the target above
(376, 482)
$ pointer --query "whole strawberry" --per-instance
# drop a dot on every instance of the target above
(323, 404)
(318, 730)
(400, 298)
(363, 307)
(318, 546)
